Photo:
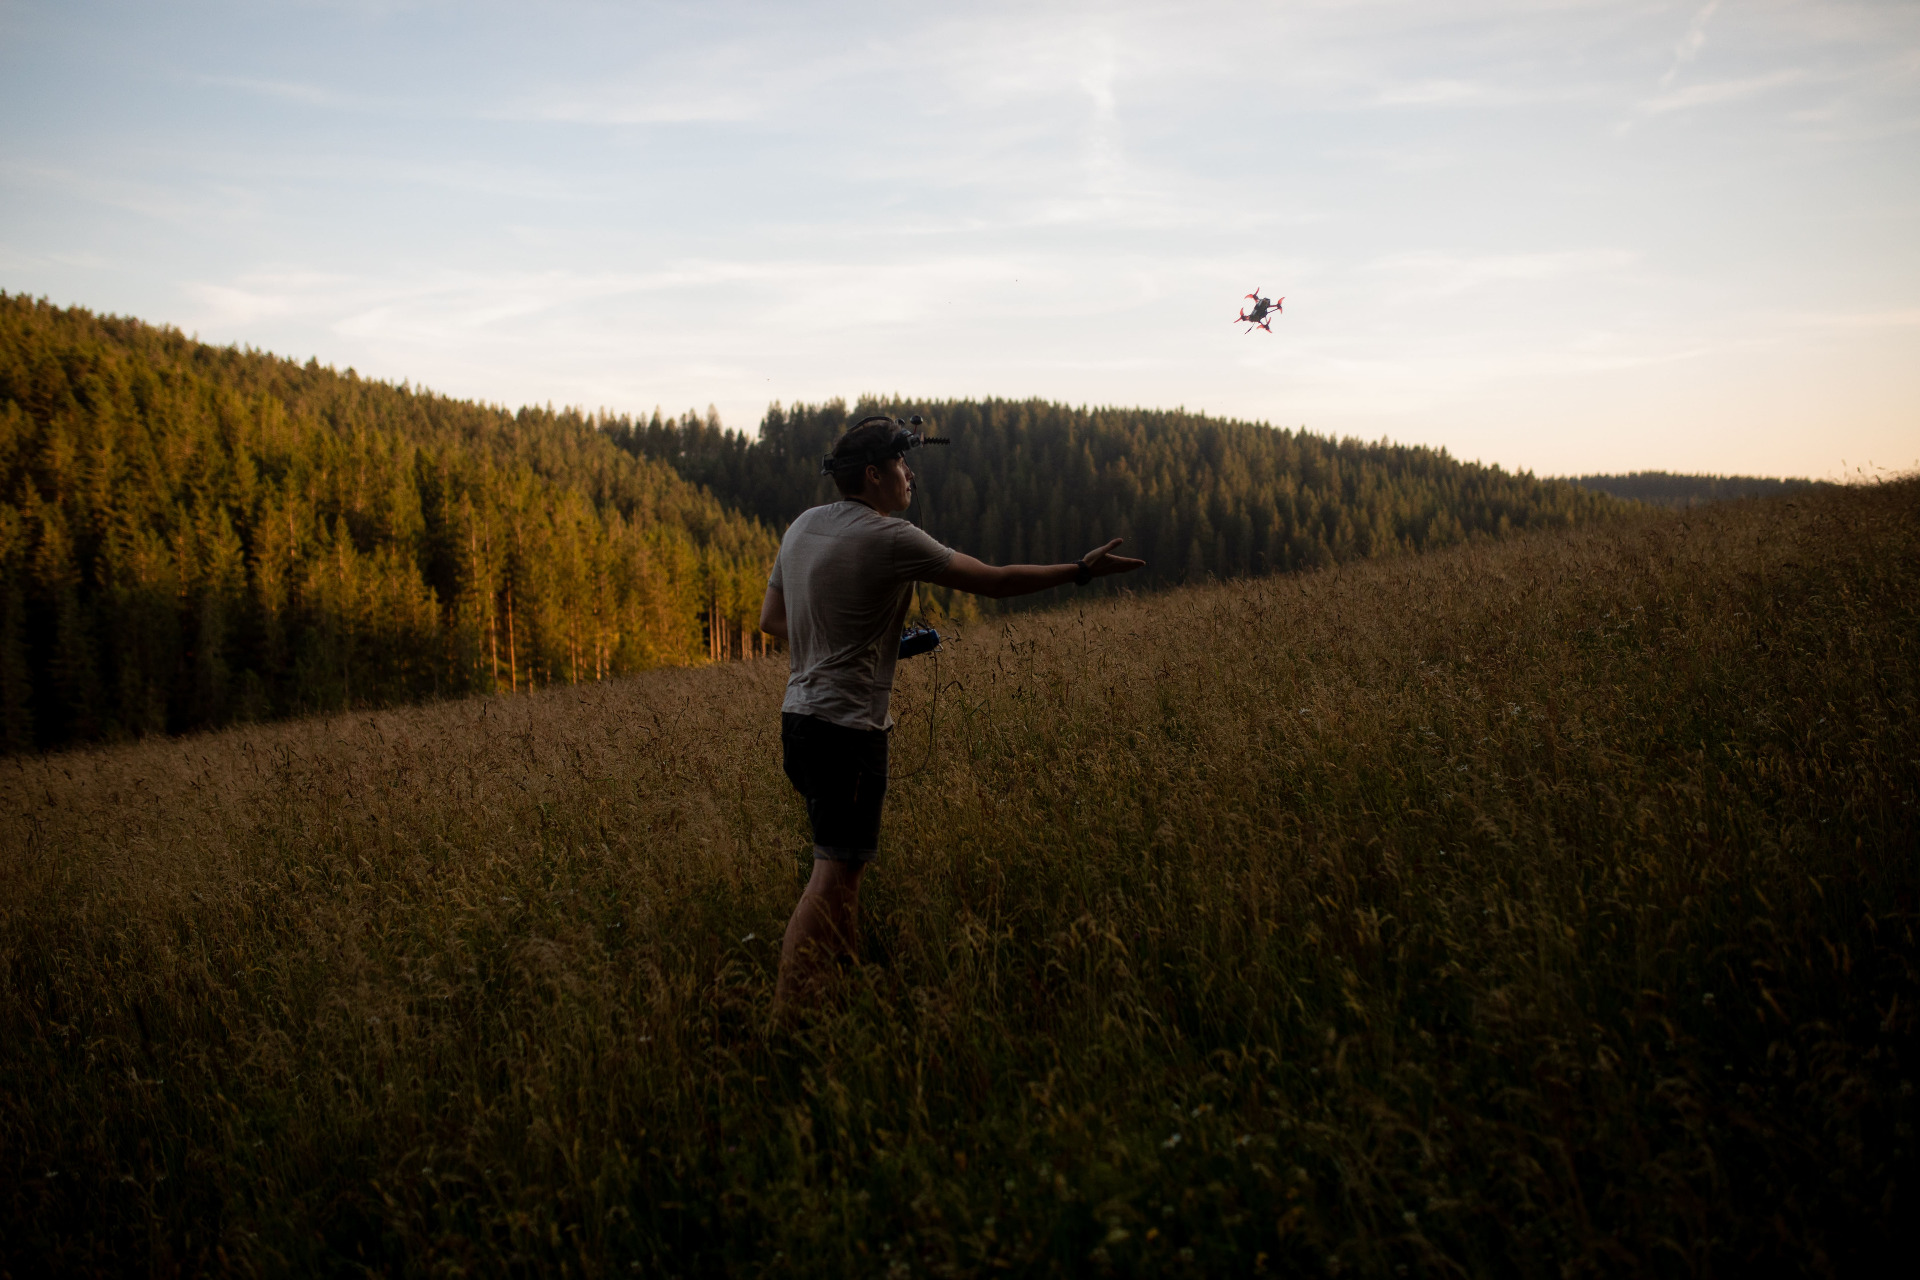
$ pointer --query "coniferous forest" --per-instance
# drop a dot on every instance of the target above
(1196, 496)
(192, 535)
(1680, 492)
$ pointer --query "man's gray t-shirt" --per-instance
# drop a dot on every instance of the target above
(847, 573)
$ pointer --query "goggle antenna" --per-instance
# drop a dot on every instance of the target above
(905, 436)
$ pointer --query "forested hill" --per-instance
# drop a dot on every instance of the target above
(1031, 480)
(1666, 489)
(192, 534)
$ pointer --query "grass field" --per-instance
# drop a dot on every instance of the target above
(1540, 907)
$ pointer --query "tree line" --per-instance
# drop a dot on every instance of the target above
(1667, 489)
(191, 535)
(1197, 496)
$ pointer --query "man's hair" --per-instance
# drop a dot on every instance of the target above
(858, 446)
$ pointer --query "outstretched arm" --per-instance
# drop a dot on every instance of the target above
(773, 613)
(999, 582)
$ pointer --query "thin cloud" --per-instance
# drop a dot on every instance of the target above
(1718, 93)
(456, 306)
(309, 95)
(1691, 43)
(777, 78)
(13, 260)
(1444, 274)
(212, 204)
(1893, 318)
(1443, 93)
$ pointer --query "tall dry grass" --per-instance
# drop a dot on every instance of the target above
(1541, 906)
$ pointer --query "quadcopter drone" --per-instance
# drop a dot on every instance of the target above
(1264, 309)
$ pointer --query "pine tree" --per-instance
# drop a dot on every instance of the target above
(191, 534)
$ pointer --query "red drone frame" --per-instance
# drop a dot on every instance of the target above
(1263, 311)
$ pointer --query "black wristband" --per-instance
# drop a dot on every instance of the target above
(1081, 574)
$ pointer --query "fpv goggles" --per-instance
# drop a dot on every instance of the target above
(905, 437)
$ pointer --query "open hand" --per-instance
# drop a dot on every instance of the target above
(1101, 562)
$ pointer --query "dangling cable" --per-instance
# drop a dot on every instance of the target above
(933, 719)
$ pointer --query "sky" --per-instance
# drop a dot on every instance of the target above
(1565, 237)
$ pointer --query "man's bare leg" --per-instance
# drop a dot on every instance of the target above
(822, 929)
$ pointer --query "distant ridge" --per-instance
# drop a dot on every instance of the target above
(1666, 489)
(1197, 496)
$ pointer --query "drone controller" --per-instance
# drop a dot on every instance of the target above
(904, 437)
(915, 641)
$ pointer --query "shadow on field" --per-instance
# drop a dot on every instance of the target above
(1541, 906)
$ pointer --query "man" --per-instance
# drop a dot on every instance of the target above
(838, 595)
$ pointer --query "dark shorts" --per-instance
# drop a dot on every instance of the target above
(842, 773)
